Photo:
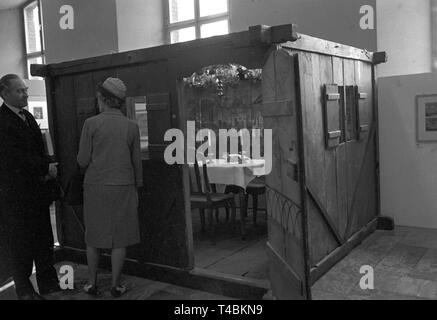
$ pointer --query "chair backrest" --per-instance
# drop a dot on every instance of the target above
(202, 180)
(198, 179)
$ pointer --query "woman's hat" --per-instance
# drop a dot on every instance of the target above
(116, 87)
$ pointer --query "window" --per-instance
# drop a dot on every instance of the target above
(434, 34)
(34, 37)
(188, 20)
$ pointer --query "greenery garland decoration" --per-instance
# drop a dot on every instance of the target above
(222, 75)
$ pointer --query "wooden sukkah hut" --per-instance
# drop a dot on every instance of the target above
(318, 98)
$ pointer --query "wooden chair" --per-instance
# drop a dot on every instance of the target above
(207, 199)
(255, 188)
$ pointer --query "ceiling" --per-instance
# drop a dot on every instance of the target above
(9, 4)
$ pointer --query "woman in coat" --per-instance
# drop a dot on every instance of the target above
(110, 153)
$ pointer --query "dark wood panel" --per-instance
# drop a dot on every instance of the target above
(66, 140)
(163, 225)
(84, 93)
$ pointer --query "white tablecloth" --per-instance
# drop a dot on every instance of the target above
(239, 174)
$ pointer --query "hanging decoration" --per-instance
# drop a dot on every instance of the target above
(220, 76)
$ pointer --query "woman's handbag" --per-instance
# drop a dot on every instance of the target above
(74, 191)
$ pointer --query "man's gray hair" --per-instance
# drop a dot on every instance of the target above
(5, 82)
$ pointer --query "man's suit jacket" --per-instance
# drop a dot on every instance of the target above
(23, 162)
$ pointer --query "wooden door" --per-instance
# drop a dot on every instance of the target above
(361, 159)
(339, 150)
(286, 235)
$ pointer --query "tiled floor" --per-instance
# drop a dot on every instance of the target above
(404, 263)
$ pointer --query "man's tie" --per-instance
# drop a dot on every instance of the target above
(23, 117)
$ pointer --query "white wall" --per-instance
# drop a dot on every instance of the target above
(140, 24)
(408, 170)
(404, 32)
(94, 33)
(334, 20)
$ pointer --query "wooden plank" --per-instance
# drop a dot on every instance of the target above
(363, 203)
(51, 112)
(154, 54)
(330, 167)
(334, 257)
(380, 57)
(341, 177)
(325, 215)
(241, 39)
(66, 128)
(314, 45)
(317, 71)
(273, 35)
(331, 114)
(299, 68)
(285, 283)
(284, 76)
(278, 109)
(362, 185)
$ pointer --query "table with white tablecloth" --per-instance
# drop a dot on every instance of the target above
(239, 173)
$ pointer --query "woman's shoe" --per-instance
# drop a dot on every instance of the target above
(118, 291)
(92, 290)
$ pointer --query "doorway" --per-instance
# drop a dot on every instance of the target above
(218, 98)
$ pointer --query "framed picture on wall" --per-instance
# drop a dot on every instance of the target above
(426, 118)
(39, 111)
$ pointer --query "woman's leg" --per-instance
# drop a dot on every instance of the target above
(117, 258)
(93, 255)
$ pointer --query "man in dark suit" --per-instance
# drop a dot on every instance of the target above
(25, 228)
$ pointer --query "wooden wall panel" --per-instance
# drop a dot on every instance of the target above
(341, 173)
(362, 168)
(321, 164)
(331, 155)
(286, 238)
(66, 141)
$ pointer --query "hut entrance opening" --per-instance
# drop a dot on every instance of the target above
(216, 100)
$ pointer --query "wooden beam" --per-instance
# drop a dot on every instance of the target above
(380, 57)
(273, 35)
(320, 46)
(150, 55)
(334, 257)
(325, 215)
(288, 285)
(386, 223)
(198, 279)
(264, 35)
(39, 70)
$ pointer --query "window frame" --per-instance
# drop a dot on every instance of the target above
(197, 22)
(38, 54)
(434, 35)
